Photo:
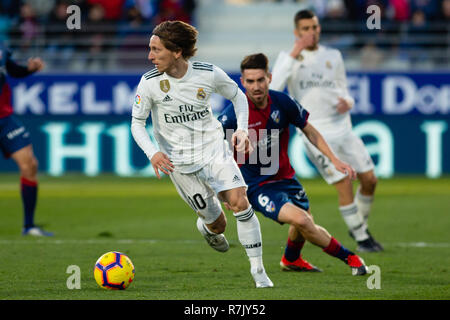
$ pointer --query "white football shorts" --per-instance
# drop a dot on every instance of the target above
(348, 148)
(199, 189)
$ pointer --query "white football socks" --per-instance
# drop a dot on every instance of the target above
(249, 234)
(364, 204)
(354, 221)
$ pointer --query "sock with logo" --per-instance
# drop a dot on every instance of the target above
(249, 234)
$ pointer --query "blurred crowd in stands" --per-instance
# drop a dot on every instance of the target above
(355, 10)
(121, 27)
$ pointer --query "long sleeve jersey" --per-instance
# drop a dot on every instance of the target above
(316, 79)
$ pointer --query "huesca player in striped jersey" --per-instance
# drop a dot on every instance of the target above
(273, 188)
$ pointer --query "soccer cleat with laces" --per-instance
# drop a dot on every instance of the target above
(300, 265)
(357, 265)
(217, 242)
(36, 231)
(261, 278)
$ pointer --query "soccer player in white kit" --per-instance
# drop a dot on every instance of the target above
(192, 149)
(315, 76)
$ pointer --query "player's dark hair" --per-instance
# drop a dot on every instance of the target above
(176, 36)
(255, 61)
(303, 14)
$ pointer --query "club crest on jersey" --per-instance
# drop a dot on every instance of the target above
(201, 94)
(164, 85)
(276, 116)
(328, 64)
(270, 207)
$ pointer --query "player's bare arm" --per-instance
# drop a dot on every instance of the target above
(317, 140)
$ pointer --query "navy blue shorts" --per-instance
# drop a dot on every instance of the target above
(13, 135)
(269, 198)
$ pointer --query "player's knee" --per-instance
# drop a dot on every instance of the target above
(29, 168)
(373, 181)
(369, 184)
(301, 221)
(238, 203)
(34, 165)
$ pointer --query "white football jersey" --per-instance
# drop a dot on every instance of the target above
(316, 79)
(183, 122)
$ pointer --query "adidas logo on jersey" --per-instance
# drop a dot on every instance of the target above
(236, 178)
(167, 99)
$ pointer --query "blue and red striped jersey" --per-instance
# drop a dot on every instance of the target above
(8, 67)
(269, 134)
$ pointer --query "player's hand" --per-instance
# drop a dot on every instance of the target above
(342, 106)
(301, 43)
(241, 142)
(160, 161)
(35, 64)
(227, 206)
(344, 168)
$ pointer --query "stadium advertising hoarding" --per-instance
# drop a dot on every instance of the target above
(80, 123)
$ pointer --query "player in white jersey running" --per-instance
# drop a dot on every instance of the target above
(315, 76)
(192, 149)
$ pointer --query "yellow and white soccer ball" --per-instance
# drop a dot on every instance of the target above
(114, 271)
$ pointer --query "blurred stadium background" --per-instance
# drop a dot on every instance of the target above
(114, 33)
(78, 113)
(78, 108)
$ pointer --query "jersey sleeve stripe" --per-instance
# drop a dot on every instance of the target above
(138, 118)
(205, 69)
(200, 64)
(153, 75)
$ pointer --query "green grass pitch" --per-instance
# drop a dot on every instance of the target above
(146, 219)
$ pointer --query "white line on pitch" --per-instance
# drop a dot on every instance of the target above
(154, 241)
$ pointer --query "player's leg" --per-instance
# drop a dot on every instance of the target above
(211, 221)
(364, 199)
(365, 193)
(357, 156)
(249, 232)
(350, 213)
(213, 231)
(319, 236)
(15, 143)
(344, 187)
(269, 199)
(28, 167)
(292, 259)
(225, 178)
(303, 222)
